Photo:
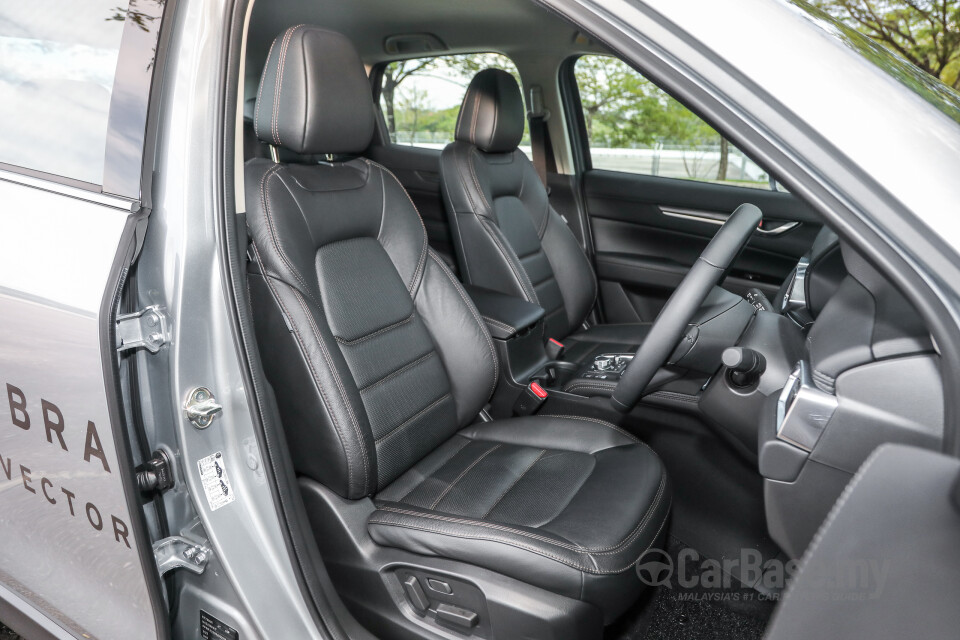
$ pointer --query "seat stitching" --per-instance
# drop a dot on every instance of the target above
(462, 474)
(518, 271)
(456, 128)
(397, 372)
(377, 332)
(476, 181)
(476, 111)
(497, 323)
(406, 423)
(568, 545)
(546, 219)
(418, 272)
(571, 563)
(313, 371)
(271, 226)
(496, 114)
(511, 543)
(485, 221)
(436, 516)
(256, 112)
(343, 393)
(279, 85)
(466, 441)
(476, 316)
(605, 424)
(523, 180)
(514, 483)
(454, 221)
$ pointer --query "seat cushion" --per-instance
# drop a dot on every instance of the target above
(567, 504)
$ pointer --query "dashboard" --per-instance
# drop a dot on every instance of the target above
(851, 366)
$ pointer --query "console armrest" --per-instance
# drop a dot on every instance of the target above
(505, 315)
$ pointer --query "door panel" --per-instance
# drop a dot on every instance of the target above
(648, 231)
(68, 545)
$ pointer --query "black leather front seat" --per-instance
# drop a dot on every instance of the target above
(381, 363)
(507, 236)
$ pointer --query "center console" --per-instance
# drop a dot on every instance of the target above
(607, 366)
(517, 328)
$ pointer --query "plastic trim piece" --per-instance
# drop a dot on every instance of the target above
(803, 410)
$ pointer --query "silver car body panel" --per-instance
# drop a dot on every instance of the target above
(62, 506)
(251, 584)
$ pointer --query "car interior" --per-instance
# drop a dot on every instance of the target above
(513, 355)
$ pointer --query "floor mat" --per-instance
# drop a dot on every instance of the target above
(696, 601)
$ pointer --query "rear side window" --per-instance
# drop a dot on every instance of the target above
(420, 98)
(58, 59)
(635, 127)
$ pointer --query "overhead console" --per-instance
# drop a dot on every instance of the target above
(869, 375)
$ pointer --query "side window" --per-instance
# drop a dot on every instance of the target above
(58, 59)
(634, 126)
(421, 97)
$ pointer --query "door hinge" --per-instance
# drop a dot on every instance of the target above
(177, 552)
(146, 328)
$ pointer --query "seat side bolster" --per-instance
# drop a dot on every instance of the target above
(485, 256)
(461, 338)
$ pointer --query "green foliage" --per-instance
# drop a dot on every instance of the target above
(408, 109)
(925, 32)
(624, 109)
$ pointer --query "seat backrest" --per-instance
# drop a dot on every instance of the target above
(507, 236)
(374, 351)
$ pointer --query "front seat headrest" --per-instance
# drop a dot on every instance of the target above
(314, 96)
(492, 115)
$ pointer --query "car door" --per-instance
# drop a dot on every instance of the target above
(74, 78)
(657, 182)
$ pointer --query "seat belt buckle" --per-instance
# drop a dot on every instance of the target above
(554, 348)
(530, 400)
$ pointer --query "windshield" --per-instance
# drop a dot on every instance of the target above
(926, 86)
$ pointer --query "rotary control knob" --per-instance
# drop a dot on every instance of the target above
(604, 363)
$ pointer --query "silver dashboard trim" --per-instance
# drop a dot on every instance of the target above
(712, 217)
(796, 295)
(803, 410)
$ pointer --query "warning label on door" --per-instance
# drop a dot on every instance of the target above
(213, 629)
(216, 483)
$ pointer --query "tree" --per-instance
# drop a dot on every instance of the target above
(925, 32)
(621, 108)
(724, 159)
(413, 101)
(455, 68)
(393, 75)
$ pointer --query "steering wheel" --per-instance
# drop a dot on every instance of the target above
(671, 324)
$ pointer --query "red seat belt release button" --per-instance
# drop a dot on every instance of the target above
(530, 400)
(554, 349)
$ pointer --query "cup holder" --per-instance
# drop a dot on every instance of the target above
(555, 374)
